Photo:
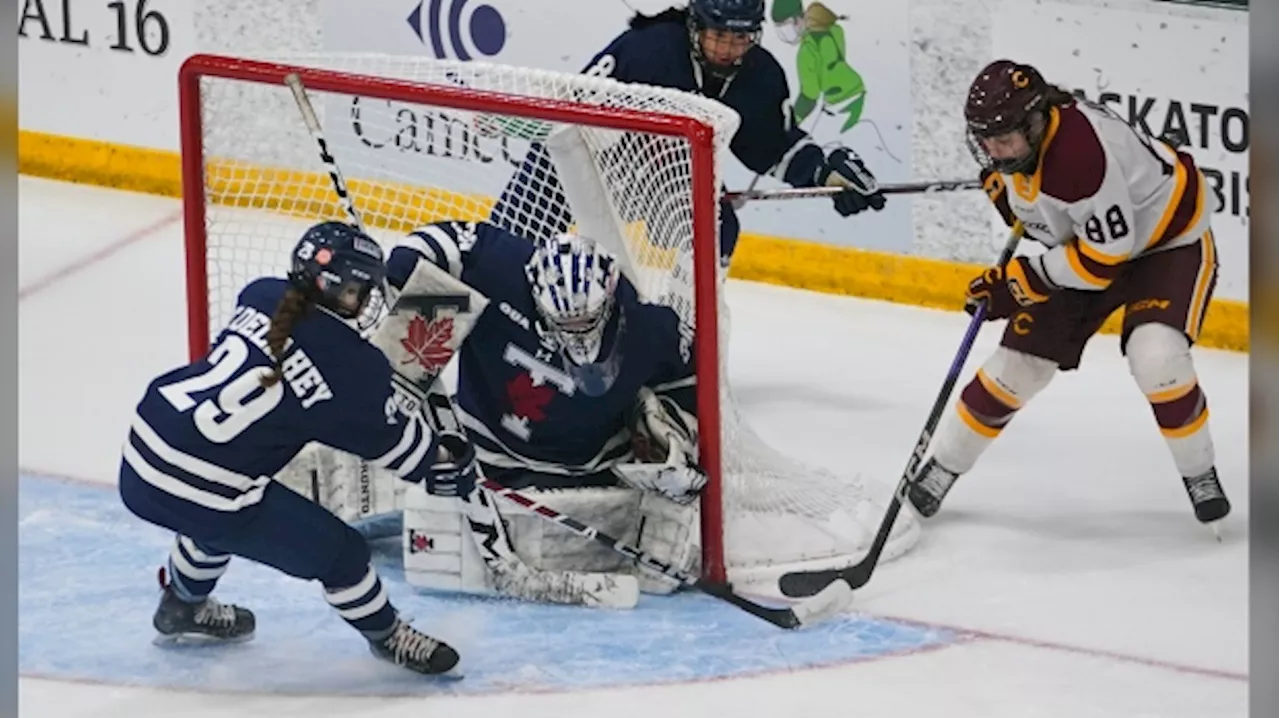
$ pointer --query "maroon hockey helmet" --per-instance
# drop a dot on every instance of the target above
(1002, 99)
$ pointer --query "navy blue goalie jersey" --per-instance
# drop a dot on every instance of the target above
(211, 433)
(520, 407)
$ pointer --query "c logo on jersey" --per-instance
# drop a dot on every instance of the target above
(486, 31)
(1022, 323)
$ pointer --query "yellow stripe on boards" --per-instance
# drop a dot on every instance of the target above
(903, 279)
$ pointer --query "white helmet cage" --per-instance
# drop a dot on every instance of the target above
(573, 281)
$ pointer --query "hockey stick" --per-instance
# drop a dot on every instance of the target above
(833, 598)
(807, 583)
(313, 126)
(512, 576)
(806, 192)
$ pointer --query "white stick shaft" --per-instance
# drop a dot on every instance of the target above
(313, 124)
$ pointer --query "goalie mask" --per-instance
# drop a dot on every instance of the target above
(574, 281)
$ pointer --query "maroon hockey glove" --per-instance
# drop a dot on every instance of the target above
(998, 192)
(1006, 289)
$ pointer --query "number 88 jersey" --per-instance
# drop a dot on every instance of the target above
(1104, 193)
(212, 433)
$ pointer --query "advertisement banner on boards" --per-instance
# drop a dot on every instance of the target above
(1185, 78)
(847, 63)
(103, 70)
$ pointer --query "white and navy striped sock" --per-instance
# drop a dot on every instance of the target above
(364, 605)
(193, 570)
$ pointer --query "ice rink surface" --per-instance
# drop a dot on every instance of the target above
(1064, 577)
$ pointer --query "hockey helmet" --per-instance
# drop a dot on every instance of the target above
(741, 17)
(574, 282)
(1002, 99)
(341, 269)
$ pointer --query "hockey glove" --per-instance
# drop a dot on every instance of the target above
(665, 442)
(455, 473)
(1006, 289)
(844, 168)
(998, 192)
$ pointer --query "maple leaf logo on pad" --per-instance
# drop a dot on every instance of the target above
(428, 344)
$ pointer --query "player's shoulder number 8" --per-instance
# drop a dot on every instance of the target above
(603, 67)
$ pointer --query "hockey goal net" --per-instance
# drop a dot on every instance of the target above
(421, 140)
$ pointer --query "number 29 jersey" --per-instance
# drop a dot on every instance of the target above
(210, 433)
(1104, 193)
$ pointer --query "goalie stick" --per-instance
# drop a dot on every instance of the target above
(925, 187)
(833, 598)
(830, 600)
(808, 583)
(824, 603)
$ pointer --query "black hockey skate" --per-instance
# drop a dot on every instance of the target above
(1207, 497)
(930, 488)
(407, 646)
(208, 621)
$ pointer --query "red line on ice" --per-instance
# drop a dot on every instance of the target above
(91, 259)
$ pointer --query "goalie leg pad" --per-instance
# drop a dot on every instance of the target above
(542, 545)
(669, 532)
(349, 487)
(438, 548)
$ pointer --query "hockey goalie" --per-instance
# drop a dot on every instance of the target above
(569, 388)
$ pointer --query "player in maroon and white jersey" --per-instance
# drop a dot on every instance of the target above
(1124, 223)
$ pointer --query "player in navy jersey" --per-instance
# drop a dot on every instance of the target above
(290, 368)
(711, 47)
(549, 375)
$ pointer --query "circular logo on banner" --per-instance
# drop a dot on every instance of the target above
(459, 29)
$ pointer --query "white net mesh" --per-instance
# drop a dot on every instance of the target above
(412, 162)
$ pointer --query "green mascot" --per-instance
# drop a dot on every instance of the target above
(820, 60)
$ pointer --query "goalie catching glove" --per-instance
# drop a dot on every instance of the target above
(666, 447)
